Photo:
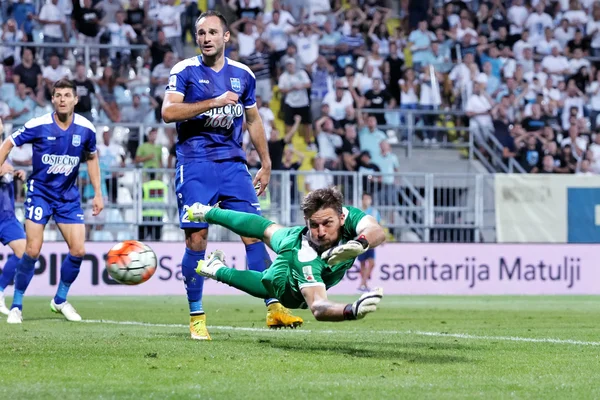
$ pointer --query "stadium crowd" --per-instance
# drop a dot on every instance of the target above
(520, 71)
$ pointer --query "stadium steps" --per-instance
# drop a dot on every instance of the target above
(436, 160)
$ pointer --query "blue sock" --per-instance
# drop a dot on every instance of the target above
(259, 260)
(23, 275)
(193, 282)
(8, 272)
(68, 273)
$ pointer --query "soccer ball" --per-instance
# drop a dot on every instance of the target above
(131, 262)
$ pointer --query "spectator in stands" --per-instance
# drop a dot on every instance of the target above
(547, 167)
(11, 55)
(158, 48)
(378, 98)
(107, 84)
(22, 106)
(389, 166)
(593, 31)
(29, 73)
(85, 89)
(328, 141)
(109, 9)
(55, 27)
(136, 113)
(537, 23)
(293, 84)
(87, 22)
(121, 37)
(392, 72)
(370, 137)
(350, 151)
(321, 85)
(328, 42)
(149, 154)
(530, 156)
(277, 144)
(340, 99)
(478, 109)
(284, 15)
(112, 155)
(577, 142)
(420, 41)
(371, 182)
(246, 38)
(307, 40)
(276, 34)
(319, 178)
(258, 62)
(159, 80)
(54, 72)
(578, 42)
(23, 12)
(291, 53)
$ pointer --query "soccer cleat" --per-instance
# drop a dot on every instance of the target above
(209, 267)
(280, 317)
(3, 309)
(15, 316)
(66, 309)
(197, 212)
(198, 329)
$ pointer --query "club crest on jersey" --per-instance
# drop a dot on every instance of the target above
(236, 84)
(223, 117)
(76, 140)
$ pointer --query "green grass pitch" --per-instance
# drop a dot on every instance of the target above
(411, 348)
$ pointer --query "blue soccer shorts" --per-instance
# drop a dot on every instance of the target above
(39, 208)
(366, 255)
(10, 230)
(209, 182)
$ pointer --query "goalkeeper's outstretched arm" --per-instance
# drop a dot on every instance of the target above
(325, 310)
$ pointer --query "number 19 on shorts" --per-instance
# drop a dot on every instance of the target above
(35, 213)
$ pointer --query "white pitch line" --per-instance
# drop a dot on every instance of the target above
(329, 331)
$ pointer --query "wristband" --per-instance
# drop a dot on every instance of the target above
(363, 240)
(349, 313)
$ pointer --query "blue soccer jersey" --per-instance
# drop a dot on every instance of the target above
(57, 154)
(10, 228)
(217, 134)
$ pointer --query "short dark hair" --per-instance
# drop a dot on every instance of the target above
(217, 14)
(320, 199)
(64, 84)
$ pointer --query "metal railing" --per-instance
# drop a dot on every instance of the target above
(414, 207)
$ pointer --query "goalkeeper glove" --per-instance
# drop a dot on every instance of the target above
(346, 251)
(367, 303)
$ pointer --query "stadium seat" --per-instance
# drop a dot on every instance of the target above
(124, 235)
(50, 235)
(102, 236)
(124, 196)
(172, 235)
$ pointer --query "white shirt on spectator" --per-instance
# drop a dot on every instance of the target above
(542, 77)
(544, 47)
(4, 110)
(170, 15)
(518, 48)
(429, 95)
(50, 12)
(337, 109)
(575, 64)
(319, 179)
(460, 75)
(576, 17)
(551, 94)
(118, 35)
(594, 91)
(593, 29)
(55, 74)
(509, 66)
(11, 51)
(460, 34)
(595, 149)
(161, 71)
(479, 103)
(308, 48)
(555, 67)
(267, 117)
(328, 143)
(113, 153)
(295, 98)
(410, 96)
(284, 16)
(317, 6)
(278, 34)
(568, 103)
(581, 143)
(537, 24)
(517, 15)
(247, 43)
(563, 36)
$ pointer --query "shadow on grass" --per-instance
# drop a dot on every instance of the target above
(382, 351)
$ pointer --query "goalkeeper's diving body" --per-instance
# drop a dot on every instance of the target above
(310, 259)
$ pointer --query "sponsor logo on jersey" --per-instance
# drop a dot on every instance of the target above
(223, 117)
(60, 165)
(308, 274)
(203, 81)
(173, 82)
(235, 84)
(76, 140)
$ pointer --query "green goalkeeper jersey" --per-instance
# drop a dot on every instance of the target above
(298, 265)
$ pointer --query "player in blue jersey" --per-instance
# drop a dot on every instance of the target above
(208, 96)
(61, 141)
(11, 230)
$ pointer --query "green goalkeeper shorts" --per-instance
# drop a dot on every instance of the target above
(278, 281)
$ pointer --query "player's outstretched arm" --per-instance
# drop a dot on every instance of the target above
(369, 235)
(325, 310)
(175, 110)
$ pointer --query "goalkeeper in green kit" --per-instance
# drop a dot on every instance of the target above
(310, 259)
